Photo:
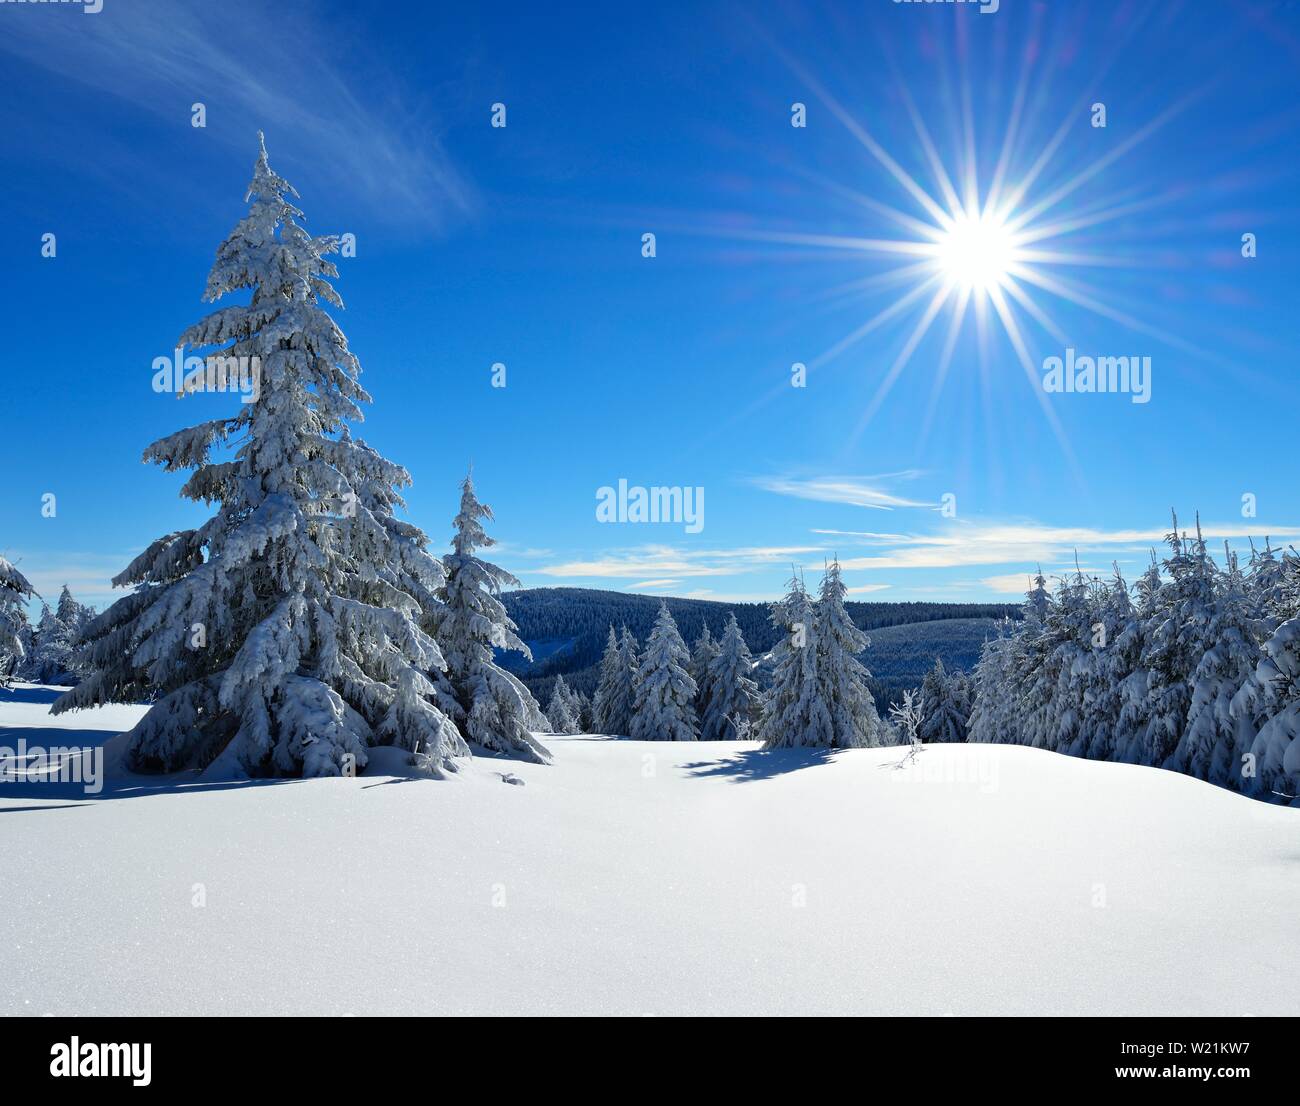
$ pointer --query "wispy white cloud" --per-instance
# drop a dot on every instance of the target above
(855, 491)
(1027, 543)
(863, 589)
(276, 68)
(658, 562)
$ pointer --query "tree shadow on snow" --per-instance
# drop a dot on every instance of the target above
(760, 764)
(31, 694)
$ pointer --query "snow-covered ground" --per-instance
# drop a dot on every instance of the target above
(651, 878)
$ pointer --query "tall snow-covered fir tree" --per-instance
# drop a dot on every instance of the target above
(702, 655)
(493, 707)
(842, 678)
(622, 705)
(734, 699)
(608, 715)
(1218, 619)
(283, 634)
(665, 692)
(14, 593)
(560, 712)
(794, 711)
(993, 715)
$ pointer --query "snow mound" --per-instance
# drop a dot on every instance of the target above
(656, 878)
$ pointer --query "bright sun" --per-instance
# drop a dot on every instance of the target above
(976, 252)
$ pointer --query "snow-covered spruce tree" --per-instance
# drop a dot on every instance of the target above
(50, 658)
(625, 700)
(702, 655)
(50, 653)
(734, 700)
(794, 711)
(841, 677)
(283, 633)
(559, 709)
(1069, 664)
(665, 692)
(942, 706)
(1175, 643)
(494, 708)
(1270, 698)
(14, 593)
(1134, 688)
(606, 707)
(1214, 738)
(1116, 649)
(993, 715)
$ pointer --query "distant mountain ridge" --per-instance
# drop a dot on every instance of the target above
(566, 629)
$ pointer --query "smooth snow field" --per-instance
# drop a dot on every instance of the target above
(648, 879)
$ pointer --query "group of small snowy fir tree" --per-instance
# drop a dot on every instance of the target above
(51, 647)
(819, 695)
(1195, 668)
(304, 622)
(568, 711)
(669, 693)
(44, 653)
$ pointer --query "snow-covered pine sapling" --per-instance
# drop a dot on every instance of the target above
(494, 708)
(906, 716)
(284, 633)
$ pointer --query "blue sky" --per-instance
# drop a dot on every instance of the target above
(774, 245)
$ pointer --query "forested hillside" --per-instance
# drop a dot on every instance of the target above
(566, 629)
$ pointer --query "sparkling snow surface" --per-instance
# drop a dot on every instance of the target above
(650, 878)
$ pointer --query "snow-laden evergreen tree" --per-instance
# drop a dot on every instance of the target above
(841, 677)
(583, 711)
(1069, 664)
(630, 652)
(943, 705)
(1218, 619)
(50, 658)
(14, 593)
(50, 654)
(1116, 645)
(702, 656)
(608, 706)
(794, 710)
(559, 709)
(285, 630)
(665, 692)
(494, 708)
(734, 700)
(1175, 644)
(993, 710)
(1134, 690)
(1271, 697)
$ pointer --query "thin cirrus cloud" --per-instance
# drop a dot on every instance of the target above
(660, 563)
(379, 150)
(854, 491)
(1026, 544)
